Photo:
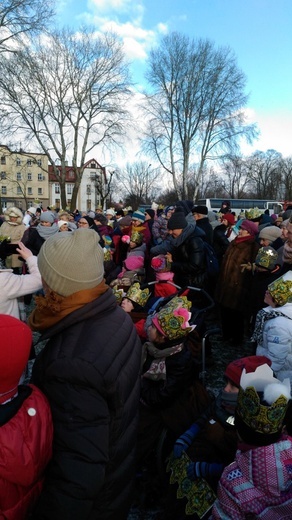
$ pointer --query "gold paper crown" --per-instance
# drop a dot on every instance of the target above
(259, 417)
(253, 213)
(281, 289)
(266, 257)
(119, 294)
(262, 400)
(138, 295)
(172, 322)
(136, 237)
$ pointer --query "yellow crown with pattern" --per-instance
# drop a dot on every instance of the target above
(138, 295)
(137, 237)
(172, 321)
(281, 289)
(263, 400)
(253, 213)
(119, 294)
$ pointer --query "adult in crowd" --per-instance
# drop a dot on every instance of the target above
(34, 237)
(13, 228)
(287, 248)
(273, 326)
(221, 235)
(258, 484)
(187, 257)
(64, 215)
(233, 287)
(139, 225)
(149, 220)
(271, 236)
(225, 207)
(186, 207)
(26, 431)
(89, 371)
(200, 214)
(13, 286)
(29, 214)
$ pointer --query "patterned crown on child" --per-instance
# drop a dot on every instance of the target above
(118, 293)
(137, 237)
(253, 213)
(262, 400)
(160, 264)
(172, 321)
(267, 257)
(281, 289)
(138, 295)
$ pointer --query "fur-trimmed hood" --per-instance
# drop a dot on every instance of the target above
(16, 212)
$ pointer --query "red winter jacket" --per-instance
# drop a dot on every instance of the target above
(26, 435)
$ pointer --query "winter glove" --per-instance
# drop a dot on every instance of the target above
(204, 470)
(186, 439)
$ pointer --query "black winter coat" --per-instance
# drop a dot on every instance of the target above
(89, 370)
(188, 258)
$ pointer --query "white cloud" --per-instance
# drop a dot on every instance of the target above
(108, 6)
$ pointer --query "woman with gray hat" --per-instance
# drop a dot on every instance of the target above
(35, 236)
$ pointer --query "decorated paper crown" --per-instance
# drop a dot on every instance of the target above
(107, 240)
(262, 400)
(266, 257)
(119, 294)
(281, 289)
(138, 295)
(5, 238)
(253, 213)
(136, 237)
(160, 264)
(172, 321)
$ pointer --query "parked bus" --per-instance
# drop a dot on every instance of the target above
(239, 205)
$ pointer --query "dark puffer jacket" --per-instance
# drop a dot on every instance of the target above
(188, 258)
(89, 370)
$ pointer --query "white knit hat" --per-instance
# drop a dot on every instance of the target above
(71, 262)
(62, 222)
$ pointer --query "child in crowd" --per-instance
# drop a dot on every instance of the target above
(134, 263)
(258, 484)
(163, 275)
(26, 431)
(208, 445)
(171, 395)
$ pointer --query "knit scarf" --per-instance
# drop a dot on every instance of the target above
(157, 369)
(46, 232)
(262, 317)
(52, 307)
(287, 253)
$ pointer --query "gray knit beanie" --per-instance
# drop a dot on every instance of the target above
(71, 262)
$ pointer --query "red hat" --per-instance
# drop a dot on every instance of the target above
(250, 363)
(230, 218)
(15, 345)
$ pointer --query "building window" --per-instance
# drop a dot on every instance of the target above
(18, 176)
(70, 189)
(93, 165)
(57, 188)
(29, 191)
(3, 175)
(39, 162)
(57, 202)
(88, 204)
(29, 176)
(3, 159)
(19, 190)
(88, 189)
(3, 190)
(71, 174)
(28, 162)
(18, 162)
(40, 176)
(40, 191)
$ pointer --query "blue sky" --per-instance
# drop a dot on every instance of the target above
(258, 31)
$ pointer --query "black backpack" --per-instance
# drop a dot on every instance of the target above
(211, 260)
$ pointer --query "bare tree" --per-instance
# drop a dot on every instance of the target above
(67, 95)
(138, 183)
(195, 111)
(286, 174)
(23, 18)
(264, 173)
(234, 177)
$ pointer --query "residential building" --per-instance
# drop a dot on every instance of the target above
(23, 179)
(92, 187)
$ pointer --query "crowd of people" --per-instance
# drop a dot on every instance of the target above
(113, 295)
